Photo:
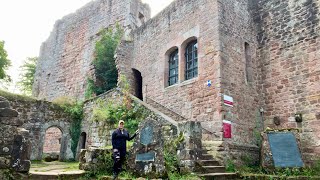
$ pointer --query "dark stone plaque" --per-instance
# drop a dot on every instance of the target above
(146, 135)
(146, 156)
(284, 148)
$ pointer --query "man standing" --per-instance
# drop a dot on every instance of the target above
(119, 145)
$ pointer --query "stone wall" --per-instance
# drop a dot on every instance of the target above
(172, 28)
(52, 140)
(38, 116)
(289, 55)
(239, 78)
(65, 59)
(14, 142)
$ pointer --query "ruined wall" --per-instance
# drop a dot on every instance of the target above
(239, 77)
(14, 143)
(38, 116)
(52, 140)
(289, 53)
(174, 27)
(65, 60)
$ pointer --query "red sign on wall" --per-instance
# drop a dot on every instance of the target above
(226, 129)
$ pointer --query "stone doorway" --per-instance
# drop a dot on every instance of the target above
(52, 144)
(83, 139)
(137, 84)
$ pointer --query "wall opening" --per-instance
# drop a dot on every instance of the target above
(137, 84)
(248, 64)
(83, 139)
(52, 142)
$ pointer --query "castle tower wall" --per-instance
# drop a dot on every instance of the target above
(289, 56)
(65, 60)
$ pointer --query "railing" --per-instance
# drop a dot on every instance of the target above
(166, 110)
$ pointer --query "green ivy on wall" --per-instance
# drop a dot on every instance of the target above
(106, 74)
(75, 110)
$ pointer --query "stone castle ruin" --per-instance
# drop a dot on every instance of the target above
(234, 66)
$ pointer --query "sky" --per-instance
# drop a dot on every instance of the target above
(25, 24)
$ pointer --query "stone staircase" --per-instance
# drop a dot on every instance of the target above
(207, 167)
(210, 169)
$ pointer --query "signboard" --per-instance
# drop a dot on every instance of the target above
(146, 135)
(209, 83)
(146, 156)
(226, 129)
(284, 148)
(228, 100)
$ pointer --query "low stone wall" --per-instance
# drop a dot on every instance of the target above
(14, 142)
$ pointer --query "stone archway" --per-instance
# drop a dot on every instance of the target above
(65, 141)
(52, 144)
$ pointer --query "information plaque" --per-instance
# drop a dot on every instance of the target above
(284, 148)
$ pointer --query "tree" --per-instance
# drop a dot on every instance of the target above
(106, 74)
(28, 70)
(4, 62)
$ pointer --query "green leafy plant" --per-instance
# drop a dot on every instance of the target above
(75, 110)
(170, 156)
(106, 74)
(4, 62)
(28, 70)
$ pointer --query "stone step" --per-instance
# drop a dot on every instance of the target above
(54, 176)
(214, 169)
(219, 176)
(206, 157)
(209, 163)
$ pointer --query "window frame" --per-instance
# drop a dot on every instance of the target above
(173, 56)
(191, 60)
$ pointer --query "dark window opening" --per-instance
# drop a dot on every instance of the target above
(248, 66)
(192, 60)
(83, 139)
(137, 84)
(173, 68)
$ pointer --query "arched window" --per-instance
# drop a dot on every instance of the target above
(192, 60)
(173, 67)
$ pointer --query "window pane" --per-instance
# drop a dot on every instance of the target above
(192, 60)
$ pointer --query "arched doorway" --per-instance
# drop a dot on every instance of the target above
(52, 144)
(137, 84)
(83, 139)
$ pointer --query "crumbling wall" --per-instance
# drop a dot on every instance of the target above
(65, 60)
(288, 52)
(37, 117)
(14, 142)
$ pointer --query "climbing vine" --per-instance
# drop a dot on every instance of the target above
(106, 74)
(75, 110)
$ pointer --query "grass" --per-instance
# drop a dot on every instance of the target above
(41, 166)
(11, 96)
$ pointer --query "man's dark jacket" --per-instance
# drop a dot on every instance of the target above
(119, 140)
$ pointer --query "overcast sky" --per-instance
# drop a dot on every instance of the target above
(25, 24)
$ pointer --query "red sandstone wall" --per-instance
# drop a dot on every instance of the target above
(52, 140)
(180, 21)
(237, 29)
(289, 53)
(65, 60)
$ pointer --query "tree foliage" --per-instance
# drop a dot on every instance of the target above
(28, 70)
(104, 62)
(4, 61)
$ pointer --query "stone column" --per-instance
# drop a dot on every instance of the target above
(14, 142)
(192, 150)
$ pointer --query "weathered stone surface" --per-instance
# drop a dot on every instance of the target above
(72, 42)
(4, 162)
(49, 157)
(6, 112)
(5, 149)
(14, 121)
(4, 104)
